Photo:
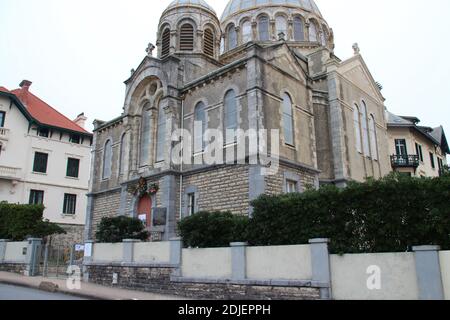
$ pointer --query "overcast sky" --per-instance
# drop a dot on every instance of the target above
(79, 52)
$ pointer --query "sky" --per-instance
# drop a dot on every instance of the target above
(78, 53)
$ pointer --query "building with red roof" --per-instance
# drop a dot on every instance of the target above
(44, 159)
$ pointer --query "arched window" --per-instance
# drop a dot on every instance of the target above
(357, 125)
(365, 131)
(288, 120)
(373, 138)
(161, 138)
(146, 128)
(281, 26)
(165, 50)
(230, 115)
(208, 42)
(199, 127)
(187, 37)
(263, 28)
(299, 29)
(107, 160)
(247, 32)
(232, 37)
(312, 32)
(122, 158)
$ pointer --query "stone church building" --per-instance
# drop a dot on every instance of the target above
(264, 64)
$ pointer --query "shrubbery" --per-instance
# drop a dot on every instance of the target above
(388, 215)
(212, 229)
(117, 229)
(18, 222)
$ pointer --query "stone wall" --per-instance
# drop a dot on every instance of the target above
(275, 184)
(18, 268)
(158, 280)
(224, 189)
(75, 234)
(105, 205)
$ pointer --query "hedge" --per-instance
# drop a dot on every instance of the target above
(19, 222)
(117, 229)
(387, 215)
(212, 229)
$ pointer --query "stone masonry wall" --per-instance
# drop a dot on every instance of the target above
(222, 189)
(105, 205)
(275, 183)
(157, 280)
(18, 268)
(74, 235)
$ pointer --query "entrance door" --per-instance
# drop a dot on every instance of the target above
(145, 210)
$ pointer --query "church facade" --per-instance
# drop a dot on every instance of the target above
(264, 65)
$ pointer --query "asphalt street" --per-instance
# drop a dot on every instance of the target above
(8, 292)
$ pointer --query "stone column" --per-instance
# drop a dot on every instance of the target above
(32, 257)
(428, 271)
(320, 263)
(128, 250)
(123, 200)
(238, 260)
(3, 244)
(336, 122)
(256, 184)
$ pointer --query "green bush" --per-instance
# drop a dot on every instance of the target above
(212, 229)
(117, 229)
(388, 215)
(19, 222)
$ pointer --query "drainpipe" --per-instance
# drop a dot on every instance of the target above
(182, 156)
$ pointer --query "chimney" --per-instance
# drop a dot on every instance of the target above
(25, 84)
(81, 120)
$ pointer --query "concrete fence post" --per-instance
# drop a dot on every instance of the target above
(128, 250)
(88, 257)
(32, 257)
(3, 244)
(176, 251)
(320, 263)
(428, 269)
(238, 260)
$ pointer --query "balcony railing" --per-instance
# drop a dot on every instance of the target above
(9, 172)
(4, 134)
(405, 161)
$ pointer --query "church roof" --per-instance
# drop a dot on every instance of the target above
(180, 3)
(235, 6)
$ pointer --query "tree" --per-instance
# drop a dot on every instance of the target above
(117, 229)
(19, 222)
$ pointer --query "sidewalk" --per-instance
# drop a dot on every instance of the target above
(88, 290)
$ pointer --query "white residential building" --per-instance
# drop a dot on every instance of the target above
(44, 159)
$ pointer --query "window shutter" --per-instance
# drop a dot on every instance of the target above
(208, 43)
(165, 43)
(187, 37)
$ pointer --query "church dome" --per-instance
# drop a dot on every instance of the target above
(187, 3)
(237, 6)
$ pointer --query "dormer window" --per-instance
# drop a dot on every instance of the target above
(43, 132)
(75, 138)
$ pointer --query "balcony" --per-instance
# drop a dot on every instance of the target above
(9, 173)
(4, 134)
(405, 161)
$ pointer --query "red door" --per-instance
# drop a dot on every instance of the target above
(145, 209)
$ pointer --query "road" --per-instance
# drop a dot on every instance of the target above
(8, 292)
